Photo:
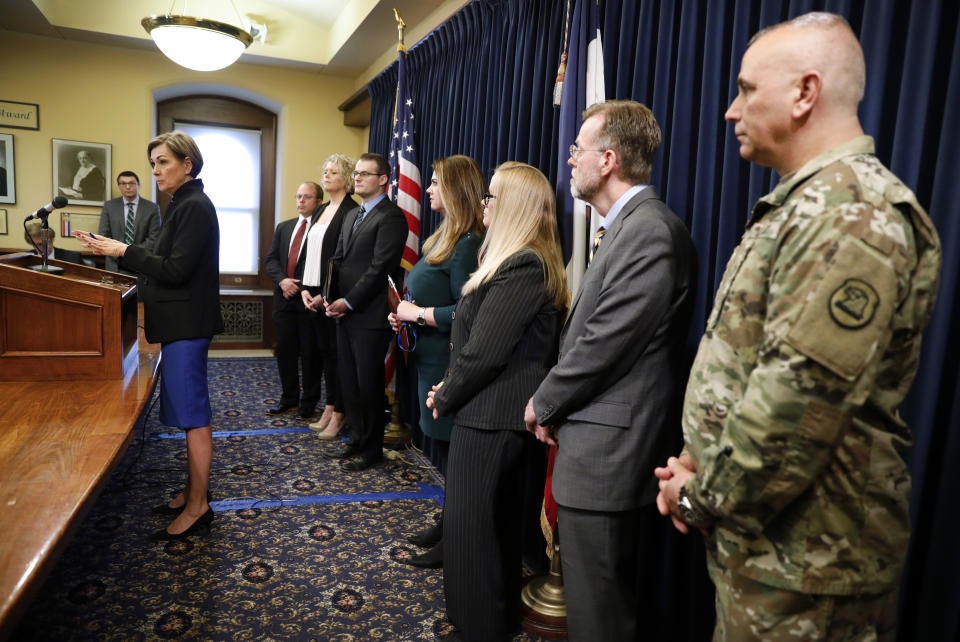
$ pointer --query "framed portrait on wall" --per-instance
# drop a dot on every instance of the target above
(8, 184)
(81, 171)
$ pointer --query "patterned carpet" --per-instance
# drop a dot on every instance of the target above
(299, 550)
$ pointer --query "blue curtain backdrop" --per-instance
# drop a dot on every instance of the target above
(482, 84)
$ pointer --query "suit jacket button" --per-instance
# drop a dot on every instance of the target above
(451, 347)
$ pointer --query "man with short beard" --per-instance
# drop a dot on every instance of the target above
(607, 403)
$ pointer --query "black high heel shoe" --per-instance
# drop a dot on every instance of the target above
(433, 558)
(164, 509)
(428, 537)
(202, 524)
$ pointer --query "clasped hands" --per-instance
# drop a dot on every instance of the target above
(672, 477)
(333, 310)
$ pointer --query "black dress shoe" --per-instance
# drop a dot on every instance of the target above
(164, 509)
(431, 559)
(429, 537)
(279, 409)
(305, 413)
(202, 524)
(339, 451)
(359, 463)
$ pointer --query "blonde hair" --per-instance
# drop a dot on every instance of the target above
(181, 145)
(525, 219)
(461, 187)
(344, 166)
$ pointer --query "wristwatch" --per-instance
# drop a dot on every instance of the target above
(420, 319)
(690, 513)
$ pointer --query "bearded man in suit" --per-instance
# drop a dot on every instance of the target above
(607, 403)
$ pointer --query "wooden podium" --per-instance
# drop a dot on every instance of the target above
(78, 324)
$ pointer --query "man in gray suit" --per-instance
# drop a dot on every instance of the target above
(607, 403)
(129, 218)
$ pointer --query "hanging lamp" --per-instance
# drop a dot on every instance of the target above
(198, 43)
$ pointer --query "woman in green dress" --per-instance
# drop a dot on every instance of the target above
(434, 285)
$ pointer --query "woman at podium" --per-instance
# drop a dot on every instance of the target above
(180, 289)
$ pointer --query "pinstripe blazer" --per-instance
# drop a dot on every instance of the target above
(503, 342)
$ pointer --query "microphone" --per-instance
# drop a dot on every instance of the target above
(43, 212)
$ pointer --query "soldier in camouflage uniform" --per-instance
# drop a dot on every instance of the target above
(793, 462)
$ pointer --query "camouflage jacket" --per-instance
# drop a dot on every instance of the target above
(790, 411)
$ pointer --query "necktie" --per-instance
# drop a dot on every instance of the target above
(128, 232)
(359, 220)
(596, 241)
(295, 249)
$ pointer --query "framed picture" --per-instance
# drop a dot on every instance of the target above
(8, 184)
(81, 171)
(3, 221)
(19, 115)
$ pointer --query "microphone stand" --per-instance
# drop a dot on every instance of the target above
(45, 250)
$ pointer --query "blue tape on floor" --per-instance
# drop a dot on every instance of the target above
(231, 433)
(427, 491)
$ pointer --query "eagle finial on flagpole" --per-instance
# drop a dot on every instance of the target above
(400, 27)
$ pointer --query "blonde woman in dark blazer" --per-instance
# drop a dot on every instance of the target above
(321, 244)
(503, 342)
(180, 288)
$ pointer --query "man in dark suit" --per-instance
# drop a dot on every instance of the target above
(607, 403)
(129, 218)
(291, 321)
(369, 249)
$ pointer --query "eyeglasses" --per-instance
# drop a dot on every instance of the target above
(486, 199)
(575, 151)
(365, 174)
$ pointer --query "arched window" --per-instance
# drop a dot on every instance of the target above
(238, 143)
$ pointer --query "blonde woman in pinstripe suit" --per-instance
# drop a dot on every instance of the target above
(503, 342)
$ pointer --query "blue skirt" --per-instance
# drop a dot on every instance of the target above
(184, 395)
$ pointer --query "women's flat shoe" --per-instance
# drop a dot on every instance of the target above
(164, 509)
(202, 524)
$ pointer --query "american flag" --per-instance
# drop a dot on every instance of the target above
(404, 173)
(404, 187)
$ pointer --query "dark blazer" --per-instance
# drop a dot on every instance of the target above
(180, 279)
(330, 238)
(364, 259)
(113, 223)
(92, 186)
(616, 381)
(68, 255)
(503, 342)
(276, 263)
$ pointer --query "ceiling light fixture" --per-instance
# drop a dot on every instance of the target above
(198, 43)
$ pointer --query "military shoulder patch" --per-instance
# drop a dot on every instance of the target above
(853, 304)
(848, 312)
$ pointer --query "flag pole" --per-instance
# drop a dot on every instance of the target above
(396, 433)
